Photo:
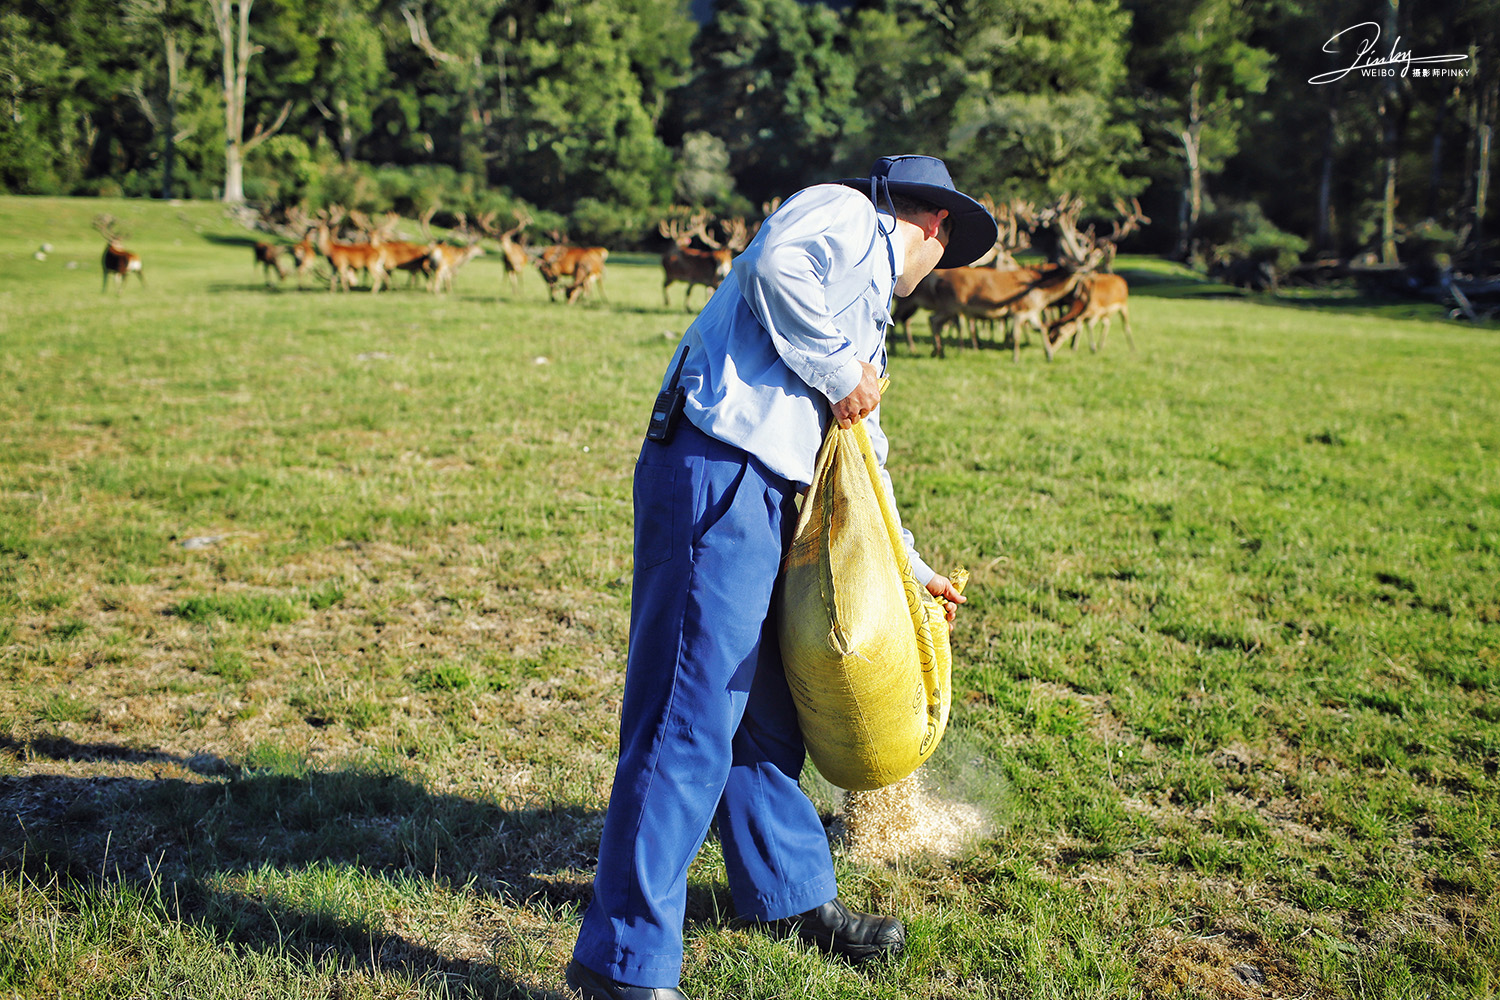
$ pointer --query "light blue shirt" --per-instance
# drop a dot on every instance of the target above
(782, 339)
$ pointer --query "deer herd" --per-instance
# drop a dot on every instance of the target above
(1072, 291)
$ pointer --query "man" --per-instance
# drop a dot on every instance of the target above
(708, 729)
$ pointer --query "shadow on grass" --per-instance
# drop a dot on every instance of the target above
(1165, 280)
(246, 240)
(233, 842)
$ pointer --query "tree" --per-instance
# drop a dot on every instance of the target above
(232, 19)
(1201, 71)
(37, 118)
(774, 80)
(351, 71)
(703, 173)
(162, 22)
(1021, 96)
(457, 39)
(586, 125)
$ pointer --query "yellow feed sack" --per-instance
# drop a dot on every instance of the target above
(865, 646)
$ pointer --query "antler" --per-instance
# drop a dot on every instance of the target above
(736, 233)
(1132, 218)
(1011, 234)
(1080, 250)
(681, 231)
(104, 224)
(425, 222)
(523, 219)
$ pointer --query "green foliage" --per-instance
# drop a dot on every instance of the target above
(1241, 231)
(40, 141)
(703, 177)
(775, 83)
(586, 130)
(598, 223)
(599, 114)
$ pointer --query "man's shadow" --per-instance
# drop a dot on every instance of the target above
(205, 842)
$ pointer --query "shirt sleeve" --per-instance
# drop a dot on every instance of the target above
(810, 245)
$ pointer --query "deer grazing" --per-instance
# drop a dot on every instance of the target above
(585, 265)
(118, 262)
(404, 255)
(268, 259)
(685, 263)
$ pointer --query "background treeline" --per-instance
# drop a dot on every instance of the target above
(600, 114)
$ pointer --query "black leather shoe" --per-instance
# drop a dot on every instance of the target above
(590, 985)
(836, 929)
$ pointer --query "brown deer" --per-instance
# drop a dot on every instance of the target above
(118, 262)
(513, 256)
(268, 259)
(300, 229)
(562, 261)
(1019, 294)
(347, 259)
(1100, 297)
(1012, 237)
(692, 266)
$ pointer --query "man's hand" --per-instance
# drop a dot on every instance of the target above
(942, 588)
(859, 403)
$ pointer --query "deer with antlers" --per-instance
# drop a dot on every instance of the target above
(585, 265)
(513, 256)
(1023, 296)
(404, 255)
(118, 262)
(936, 290)
(685, 263)
(347, 259)
(446, 258)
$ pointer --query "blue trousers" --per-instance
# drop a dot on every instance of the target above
(708, 729)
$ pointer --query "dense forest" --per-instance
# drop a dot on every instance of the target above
(1314, 127)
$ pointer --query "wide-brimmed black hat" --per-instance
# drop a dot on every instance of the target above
(926, 178)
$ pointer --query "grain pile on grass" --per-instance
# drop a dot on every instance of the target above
(1232, 965)
(907, 819)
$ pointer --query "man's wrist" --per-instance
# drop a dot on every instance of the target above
(844, 381)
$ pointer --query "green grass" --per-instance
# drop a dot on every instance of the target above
(313, 612)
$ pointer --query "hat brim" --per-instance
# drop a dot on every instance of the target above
(974, 229)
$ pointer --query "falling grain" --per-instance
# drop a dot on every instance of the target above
(906, 819)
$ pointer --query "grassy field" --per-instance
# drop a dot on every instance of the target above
(313, 612)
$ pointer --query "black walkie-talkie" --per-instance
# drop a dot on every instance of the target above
(668, 408)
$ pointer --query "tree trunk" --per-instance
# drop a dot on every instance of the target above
(1485, 140)
(169, 139)
(236, 69)
(1192, 196)
(1323, 239)
(1390, 141)
(1435, 164)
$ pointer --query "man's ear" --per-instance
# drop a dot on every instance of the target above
(934, 222)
